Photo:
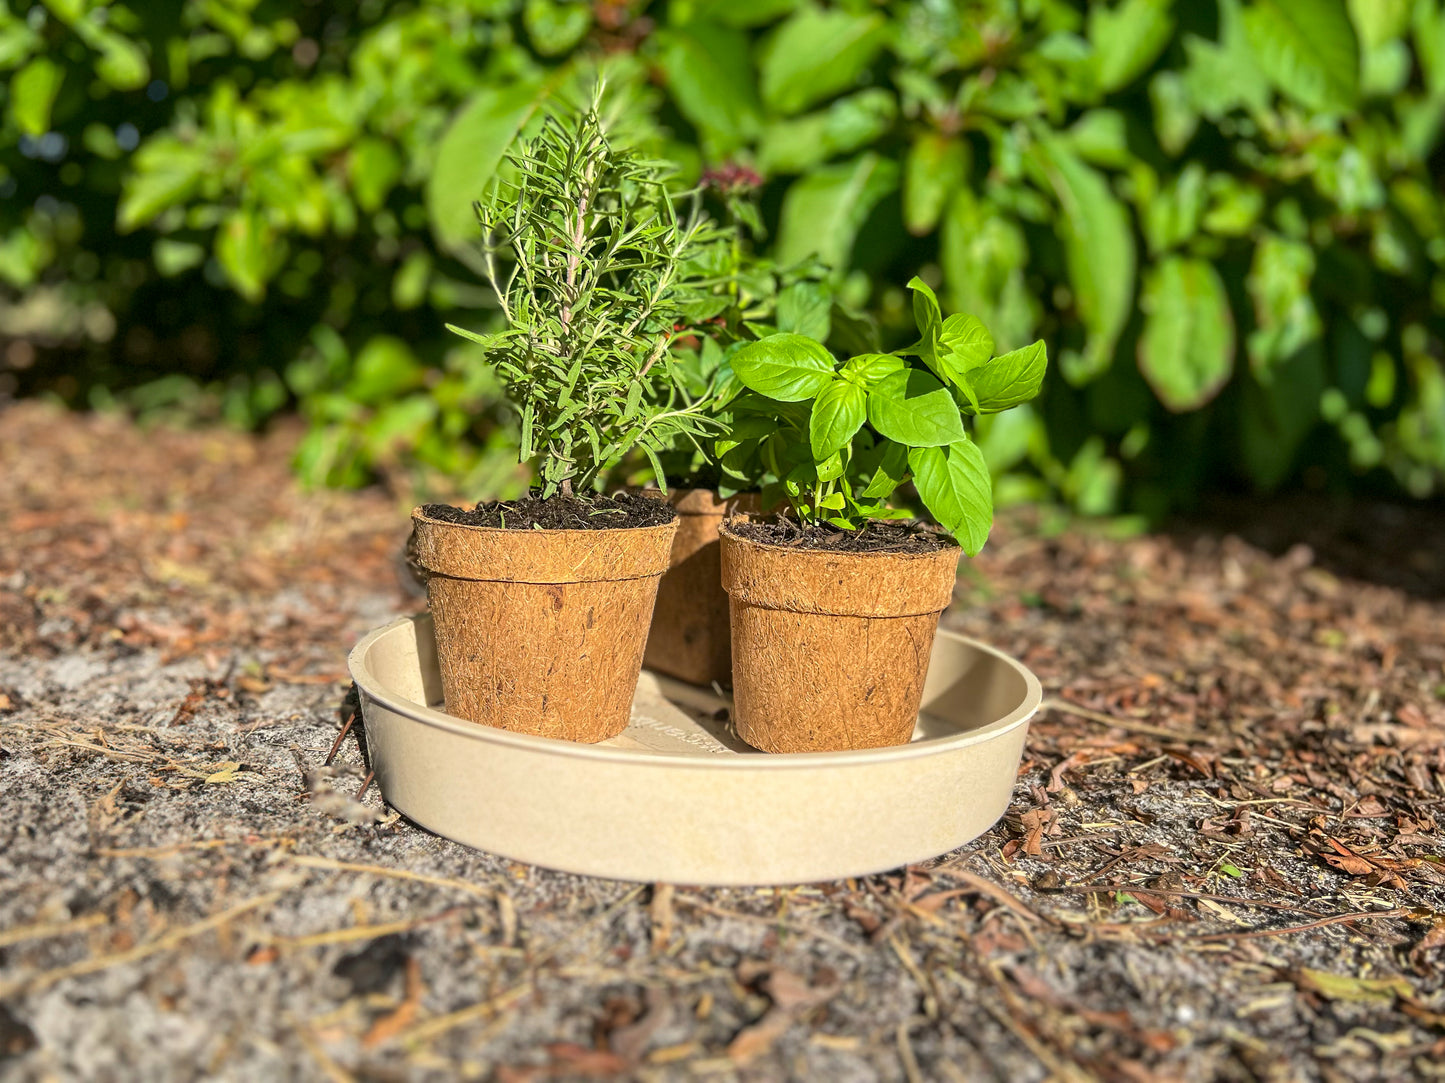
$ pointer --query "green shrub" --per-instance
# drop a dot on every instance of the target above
(1220, 215)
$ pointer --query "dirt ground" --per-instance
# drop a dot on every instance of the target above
(1223, 859)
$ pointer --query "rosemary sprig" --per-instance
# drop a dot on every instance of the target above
(601, 272)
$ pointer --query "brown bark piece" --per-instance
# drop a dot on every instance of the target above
(542, 631)
(830, 650)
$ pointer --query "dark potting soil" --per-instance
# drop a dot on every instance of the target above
(591, 512)
(876, 537)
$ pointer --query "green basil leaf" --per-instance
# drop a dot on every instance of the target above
(868, 368)
(786, 367)
(955, 487)
(828, 469)
(1010, 378)
(926, 314)
(838, 413)
(963, 345)
(913, 408)
(889, 474)
(743, 430)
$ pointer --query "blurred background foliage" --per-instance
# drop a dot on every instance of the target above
(1223, 215)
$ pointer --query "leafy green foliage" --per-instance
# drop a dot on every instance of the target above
(601, 276)
(1222, 215)
(836, 441)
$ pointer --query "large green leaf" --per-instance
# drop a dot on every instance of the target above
(823, 211)
(374, 167)
(838, 413)
(710, 75)
(742, 12)
(817, 53)
(913, 408)
(964, 343)
(1285, 316)
(1225, 74)
(555, 28)
(935, 168)
(888, 474)
(984, 254)
(1186, 352)
(954, 484)
(1098, 252)
(805, 308)
(1010, 378)
(786, 367)
(1128, 38)
(868, 368)
(469, 153)
(243, 248)
(1308, 49)
(32, 92)
(797, 144)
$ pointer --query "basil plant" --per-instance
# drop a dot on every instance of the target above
(836, 439)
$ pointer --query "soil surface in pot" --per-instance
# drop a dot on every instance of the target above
(591, 512)
(876, 537)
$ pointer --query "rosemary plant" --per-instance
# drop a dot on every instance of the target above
(603, 270)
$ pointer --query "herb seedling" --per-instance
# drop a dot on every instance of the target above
(601, 275)
(839, 439)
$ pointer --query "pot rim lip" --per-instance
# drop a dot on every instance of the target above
(371, 688)
(417, 516)
(951, 548)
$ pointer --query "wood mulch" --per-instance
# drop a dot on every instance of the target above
(1223, 859)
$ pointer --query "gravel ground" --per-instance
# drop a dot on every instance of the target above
(1223, 858)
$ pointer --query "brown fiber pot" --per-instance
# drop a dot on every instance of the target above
(830, 650)
(690, 637)
(541, 631)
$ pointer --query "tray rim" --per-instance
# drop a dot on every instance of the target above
(371, 688)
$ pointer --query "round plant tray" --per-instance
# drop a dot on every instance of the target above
(677, 798)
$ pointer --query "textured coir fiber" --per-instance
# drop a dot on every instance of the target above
(542, 631)
(690, 637)
(830, 650)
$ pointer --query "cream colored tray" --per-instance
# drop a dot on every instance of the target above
(676, 798)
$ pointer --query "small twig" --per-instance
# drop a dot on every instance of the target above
(45, 979)
(980, 886)
(156, 852)
(433, 1028)
(47, 929)
(362, 932)
(1090, 889)
(1253, 934)
(345, 729)
(906, 1055)
(365, 783)
(1063, 706)
(310, 862)
(334, 1072)
(694, 903)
